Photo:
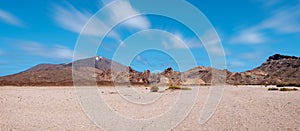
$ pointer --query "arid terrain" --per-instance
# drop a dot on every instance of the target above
(241, 108)
(44, 98)
(149, 65)
(278, 69)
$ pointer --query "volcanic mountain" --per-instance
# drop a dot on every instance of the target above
(278, 69)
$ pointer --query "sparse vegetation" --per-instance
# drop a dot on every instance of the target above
(113, 93)
(174, 87)
(282, 89)
(154, 89)
(186, 88)
(273, 89)
(292, 85)
(280, 85)
(288, 85)
(288, 89)
(179, 88)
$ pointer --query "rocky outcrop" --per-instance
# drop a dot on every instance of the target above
(174, 77)
(278, 69)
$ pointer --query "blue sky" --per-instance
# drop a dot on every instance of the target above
(35, 31)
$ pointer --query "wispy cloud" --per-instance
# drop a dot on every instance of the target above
(210, 40)
(212, 43)
(105, 2)
(38, 49)
(70, 18)
(138, 22)
(142, 60)
(10, 19)
(269, 3)
(235, 64)
(285, 20)
(250, 55)
(178, 41)
(123, 9)
(154, 62)
(74, 20)
(249, 36)
(1, 52)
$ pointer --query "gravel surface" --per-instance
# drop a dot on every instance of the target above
(57, 108)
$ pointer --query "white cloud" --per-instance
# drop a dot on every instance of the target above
(251, 55)
(138, 22)
(1, 52)
(178, 41)
(123, 9)
(141, 60)
(236, 64)
(10, 18)
(74, 20)
(107, 1)
(249, 37)
(165, 44)
(212, 43)
(269, 3)
(70, 19)
(210, 38)
(285, 20)
(62, 52)
(38, 49)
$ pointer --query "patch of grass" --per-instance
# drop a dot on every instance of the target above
(179, 88)
(186, 88)
(273, 89)
(288, 85)
(288, 89)
(174, 87)
(280, 85)
(113, 93)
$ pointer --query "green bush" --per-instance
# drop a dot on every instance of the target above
(280, 85)
(174, 88)
(179, 88)
(186, 88)
(288, 85)
(288, 89)
(273, 89)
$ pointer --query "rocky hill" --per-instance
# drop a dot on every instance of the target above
(278, 69)
(88, 71)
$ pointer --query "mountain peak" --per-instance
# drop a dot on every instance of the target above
(279, 57)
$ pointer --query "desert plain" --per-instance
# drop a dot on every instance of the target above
(58, 108)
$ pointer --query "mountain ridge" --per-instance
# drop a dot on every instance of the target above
(278, 69)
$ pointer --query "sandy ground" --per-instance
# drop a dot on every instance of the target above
(57, 108)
